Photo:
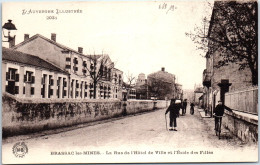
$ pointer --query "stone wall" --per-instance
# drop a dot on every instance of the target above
(22, 116)
(242, 125)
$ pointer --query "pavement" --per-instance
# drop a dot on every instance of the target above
(140, 138)
(202, 113)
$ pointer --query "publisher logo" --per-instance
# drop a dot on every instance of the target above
(20, 149)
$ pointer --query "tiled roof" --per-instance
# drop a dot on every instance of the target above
(23, 58)
(55, 43)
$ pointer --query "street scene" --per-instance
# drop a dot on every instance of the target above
(175, 82)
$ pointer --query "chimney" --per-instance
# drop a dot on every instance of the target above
(11, 42)
(26, 37)
(53, 37)
(163, 69)
(80, 49)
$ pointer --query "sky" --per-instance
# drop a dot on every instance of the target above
(139, 36)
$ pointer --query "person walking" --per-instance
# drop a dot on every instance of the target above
(184, 106)
(192, 108)
(174, 113)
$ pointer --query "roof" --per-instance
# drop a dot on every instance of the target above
(55, 43)
(23, 58)
(47, 39)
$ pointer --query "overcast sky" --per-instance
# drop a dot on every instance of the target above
(138, 36)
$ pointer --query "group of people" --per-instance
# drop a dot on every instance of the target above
(174, 110)
(176, 105)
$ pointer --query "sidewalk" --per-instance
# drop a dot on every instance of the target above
(202, 113)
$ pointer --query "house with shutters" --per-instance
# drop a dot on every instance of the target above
(80, 67)
(26, 75)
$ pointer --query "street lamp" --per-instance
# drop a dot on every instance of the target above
(10, 29)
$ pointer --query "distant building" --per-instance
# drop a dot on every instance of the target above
(141, 87)
(178, 94)
(198, 95)
(161, 85)
(141, 80)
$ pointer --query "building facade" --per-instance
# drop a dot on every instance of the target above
(90, 76)
(25, 75)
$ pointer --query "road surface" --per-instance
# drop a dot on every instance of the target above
(140, 138)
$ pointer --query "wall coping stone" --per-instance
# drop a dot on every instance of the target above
(244, 116)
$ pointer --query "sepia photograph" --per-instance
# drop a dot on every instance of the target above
(130, 81)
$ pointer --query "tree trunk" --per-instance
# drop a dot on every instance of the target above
(254, 77)
(95, 89)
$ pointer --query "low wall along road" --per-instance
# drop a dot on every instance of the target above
(23, 116)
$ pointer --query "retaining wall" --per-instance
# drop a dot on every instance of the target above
(22, 116)
(243, 125)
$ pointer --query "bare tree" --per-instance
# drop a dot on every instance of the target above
(99, 70)
(130, 81)
(233, 32)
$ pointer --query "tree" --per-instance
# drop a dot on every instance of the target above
(159, 88)
(100, 70)
(129, 84)
(233, 32)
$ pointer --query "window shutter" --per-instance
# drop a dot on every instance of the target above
(33, 79)
(17, 77)
(32, 90)
(51, 82)
(24, 78)
(6, 88)
(16, 90)
(51, 91)
(7, 76)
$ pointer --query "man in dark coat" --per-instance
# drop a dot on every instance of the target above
(174, 113)
(184, 106)
(219, 111)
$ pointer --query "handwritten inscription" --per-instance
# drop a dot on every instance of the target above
(167, 8)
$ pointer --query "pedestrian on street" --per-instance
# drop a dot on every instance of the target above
(184, 106)
(174, 113)
(219, 111)
(192, 108)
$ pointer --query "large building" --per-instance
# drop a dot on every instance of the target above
(25, 75)
(87, 76)
(161, 85)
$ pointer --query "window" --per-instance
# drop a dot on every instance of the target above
(50, 80)
(28, 77)
(10, 75)
(75, 61)
(84, 64)
(86, 85)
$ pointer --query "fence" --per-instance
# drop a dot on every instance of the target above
(243, 100)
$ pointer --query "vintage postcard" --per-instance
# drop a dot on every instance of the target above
(129, 82)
